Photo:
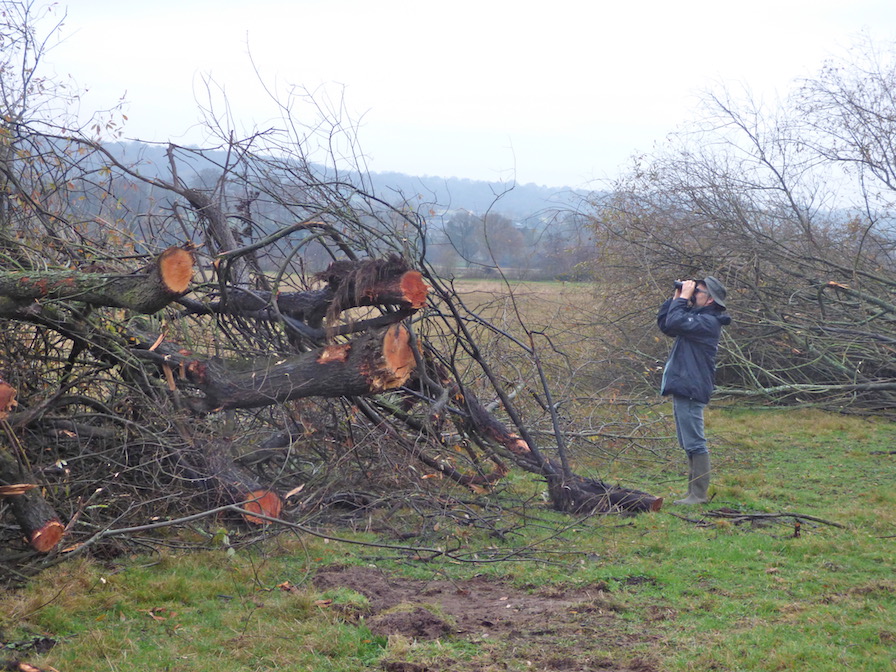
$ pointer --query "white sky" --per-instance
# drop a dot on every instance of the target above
(559, 93)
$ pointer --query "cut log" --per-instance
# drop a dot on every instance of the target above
(45, 533)
(38, 521)
(373, 282)
(240, 486)
(265, 502)
(583, 495)
(35, 516)
(148, 290)
(173, 270)
(377, 361)
(350, 284)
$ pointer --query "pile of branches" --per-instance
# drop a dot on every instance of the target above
(814, 316)
(793, 209)
(245, 332)
(271, 342)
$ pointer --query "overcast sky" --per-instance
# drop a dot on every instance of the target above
(559, 93)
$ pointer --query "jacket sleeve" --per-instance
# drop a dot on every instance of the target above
(662, 317)
(677, 320)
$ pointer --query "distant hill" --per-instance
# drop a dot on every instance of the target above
(515, 201)
(437, 195)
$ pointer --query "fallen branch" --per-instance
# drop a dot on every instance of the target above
(146, 291)
(37, 519)
(377, 361)
(740, 517)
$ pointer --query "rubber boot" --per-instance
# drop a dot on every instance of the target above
(690, 481)
(699, 484)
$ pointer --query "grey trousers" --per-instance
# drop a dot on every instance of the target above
(689, 425)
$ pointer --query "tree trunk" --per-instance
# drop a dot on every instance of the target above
(146, 291)
(37, 519)
(350, 284)
(240, 486)
(376, 361)
(583, 495)
(35, 516)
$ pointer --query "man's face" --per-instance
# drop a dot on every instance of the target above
(701, 297)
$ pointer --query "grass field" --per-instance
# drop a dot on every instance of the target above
(682, 589)
(789, 567)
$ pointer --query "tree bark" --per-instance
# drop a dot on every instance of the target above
(373, 282)
(583, 495)
(240, 486)
(350, 284)
(146, 291)
(36, 518)
(376, 361)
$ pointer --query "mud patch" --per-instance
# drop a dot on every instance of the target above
(418, 623)
(546, 629)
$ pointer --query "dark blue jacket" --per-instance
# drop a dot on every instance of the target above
(691, 368)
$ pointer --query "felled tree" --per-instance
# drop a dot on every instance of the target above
(792, 205)
(187, 355)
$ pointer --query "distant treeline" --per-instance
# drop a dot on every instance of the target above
(474, 228)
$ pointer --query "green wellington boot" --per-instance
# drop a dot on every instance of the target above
(698, 484)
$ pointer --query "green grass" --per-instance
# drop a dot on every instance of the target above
(686, 591)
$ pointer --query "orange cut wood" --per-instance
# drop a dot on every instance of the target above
(7, 399)
(176, 269)
(414, 289)
(16, 489)
(398, 353)
(47, 537)
(265, 502)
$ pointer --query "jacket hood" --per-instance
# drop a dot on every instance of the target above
(720, 314)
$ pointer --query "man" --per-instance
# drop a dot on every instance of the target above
(694, 317)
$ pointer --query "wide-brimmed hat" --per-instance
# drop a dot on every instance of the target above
(716, 290)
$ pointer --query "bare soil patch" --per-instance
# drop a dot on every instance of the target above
(538, 629)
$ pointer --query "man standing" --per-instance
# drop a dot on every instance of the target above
(694, 317)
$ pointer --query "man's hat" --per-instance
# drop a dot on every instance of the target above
(716, 290)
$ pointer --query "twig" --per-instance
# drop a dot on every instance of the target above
(769, 516)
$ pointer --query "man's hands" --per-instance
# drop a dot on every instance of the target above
(686, 291)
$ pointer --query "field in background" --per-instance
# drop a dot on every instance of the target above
(580, 349)
(563, 309)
